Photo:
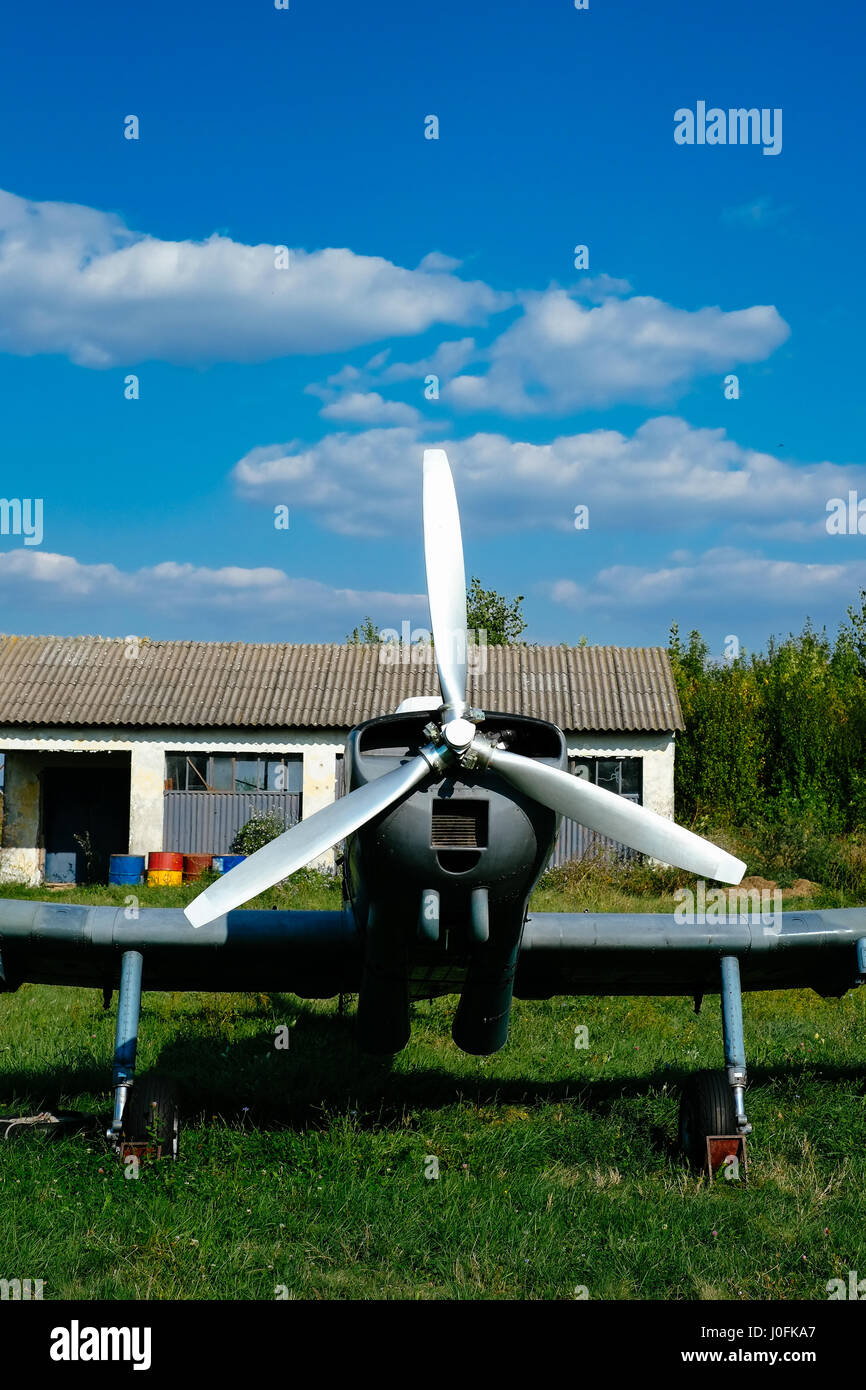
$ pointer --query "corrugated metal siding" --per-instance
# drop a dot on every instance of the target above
(207, 822)
(91, 681)
(574, 841)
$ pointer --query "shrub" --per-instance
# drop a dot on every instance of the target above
(260, 829)
(775, 736)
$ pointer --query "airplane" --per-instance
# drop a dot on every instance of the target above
(449, 820)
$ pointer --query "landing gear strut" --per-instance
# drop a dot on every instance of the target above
(146, 1118)
(125, 1037)
(735, 1045)
(713, 1125)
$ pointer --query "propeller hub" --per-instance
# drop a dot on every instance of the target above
(458, 734)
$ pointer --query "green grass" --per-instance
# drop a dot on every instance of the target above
(304, 890)
(557, 1167)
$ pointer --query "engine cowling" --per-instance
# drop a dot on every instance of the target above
(470, 842)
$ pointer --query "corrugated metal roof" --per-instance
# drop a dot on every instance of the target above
(92, 681)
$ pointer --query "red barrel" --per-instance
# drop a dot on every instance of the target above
(165, 859)
(194, 865)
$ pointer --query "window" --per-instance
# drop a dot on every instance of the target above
(222, 772)
(247, 774)
(197, 769)
(230, 772)
(284, 775)
(620, 775)
(607, 774)
(631, 771)
(175, 772)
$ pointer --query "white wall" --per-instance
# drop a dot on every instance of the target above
(146, 786)
(657, 752)
(21, 856)
(320, 789)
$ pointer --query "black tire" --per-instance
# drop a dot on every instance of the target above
(706, 1107)
(152, 1116)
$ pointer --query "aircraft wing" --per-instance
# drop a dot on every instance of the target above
(318, 954)
(312, 954)
(653, 953)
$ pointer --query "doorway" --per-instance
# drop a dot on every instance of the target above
(85, 812)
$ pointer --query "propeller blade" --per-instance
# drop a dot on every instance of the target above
(446, 577)
(306, 840)
(612, 815)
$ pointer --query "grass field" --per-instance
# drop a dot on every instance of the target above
(306, 1169)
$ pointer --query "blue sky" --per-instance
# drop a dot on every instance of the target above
(304, 386)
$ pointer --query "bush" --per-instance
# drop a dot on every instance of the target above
(260, 829)
(777, 736)
(802, 848)
(598, 871)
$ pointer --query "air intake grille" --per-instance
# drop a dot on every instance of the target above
(459, 825)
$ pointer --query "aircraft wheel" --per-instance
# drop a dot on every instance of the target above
(706, 1107)
(153, 1116)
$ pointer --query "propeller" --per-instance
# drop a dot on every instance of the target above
(446, 580)
(458, 743)
(304, 841)
(613, 815)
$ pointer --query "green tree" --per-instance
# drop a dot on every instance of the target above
(718, 761)
(491, 612)
(367, 635)
(778, 736)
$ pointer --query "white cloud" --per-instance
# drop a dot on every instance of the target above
(173, 588)
(369, 408)
(357, 484)
(447, 359)
(721, 582)
(77, 281)
(666, 476)
(560, 356)
(721, 578)
(438, 262)
(599, 287)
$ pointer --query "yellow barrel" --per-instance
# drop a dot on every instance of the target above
(164, 868)
(164, 878)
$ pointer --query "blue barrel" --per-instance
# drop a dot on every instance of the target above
(126, 869)
(223, 862)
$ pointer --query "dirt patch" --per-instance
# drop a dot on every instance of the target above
(800, 888)
(803, 888)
